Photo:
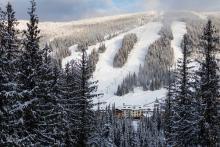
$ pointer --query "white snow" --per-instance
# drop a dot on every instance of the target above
(75, 55)
(178, 30)
(52, 30)
(138, 97)
(108, 76)
(135, 124)
(200, 15)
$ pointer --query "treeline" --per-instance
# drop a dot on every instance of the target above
(121, 132)
(94, 33)
(40, 103)
(154, 73)
(191, 117)
(94, 56)
(128, 43)
(127, 85)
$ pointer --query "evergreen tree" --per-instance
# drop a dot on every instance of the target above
(184, 119)
(103, 135)
(30, 62)
(168, 110)
(70, 102)
(37, 106)
(208, 86)
(8, 73)
(48, 109)
(3, 103)
(87, 93)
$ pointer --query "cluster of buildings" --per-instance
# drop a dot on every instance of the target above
(138, 111)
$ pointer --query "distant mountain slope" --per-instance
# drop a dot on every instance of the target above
(159, 38)
(62, 35)
(109, 77)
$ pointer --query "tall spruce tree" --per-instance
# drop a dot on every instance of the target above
(88, 89)
(8, 73)
(70, 81)
(168, 110)
(41, 111)
(184, 128)
(3, 103)
(48, 109)
(208, 86)
(30, 63)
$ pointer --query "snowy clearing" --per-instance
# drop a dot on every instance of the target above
(138, 97)
(178, 30)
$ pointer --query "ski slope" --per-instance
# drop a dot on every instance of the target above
(138, 97)
(179, 30)
(75, 55)
(109, 77)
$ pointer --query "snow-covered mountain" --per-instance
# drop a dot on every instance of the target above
(159, 36)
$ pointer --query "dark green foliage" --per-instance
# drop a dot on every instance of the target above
(208, 92)
(153, 75)
(127, 85)
(184, 116)
(87, 93)
(191, 106)
(9, 94)
(128, 43)
(102, 48)
(93, 59)
(168, 114)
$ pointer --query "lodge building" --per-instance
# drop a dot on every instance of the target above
(136, 111)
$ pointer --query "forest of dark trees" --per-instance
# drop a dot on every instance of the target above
(128, 43)
(153, 74)
(42, 104)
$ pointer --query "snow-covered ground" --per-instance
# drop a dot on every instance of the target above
(138, 97)
(179, 30)
(202, 16)
(75, 55)
(52, 30)
(135, 124)
(110, 77)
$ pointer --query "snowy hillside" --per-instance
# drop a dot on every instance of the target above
(110, 77)
(178, 30)
(52, 30)
(110, 31)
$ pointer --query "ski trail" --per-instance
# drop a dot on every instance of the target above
(178, 30)
(108, 76)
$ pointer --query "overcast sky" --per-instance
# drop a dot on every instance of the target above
(64, 10)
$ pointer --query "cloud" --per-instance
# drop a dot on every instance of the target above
(62, 10)
(197, 5)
